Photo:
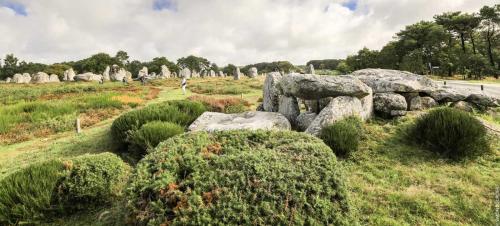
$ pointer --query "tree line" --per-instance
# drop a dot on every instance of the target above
(453, 43)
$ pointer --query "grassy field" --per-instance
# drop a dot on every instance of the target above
(390, 181)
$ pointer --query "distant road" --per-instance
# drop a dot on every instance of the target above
(489, 89)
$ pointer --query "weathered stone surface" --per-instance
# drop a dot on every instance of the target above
(88, 77)
(221, 74)
(40, 77)
(464, 106)
(212, 73)
(69, 75)
(367, 106)
(310, 69)
(252, 72)
(339, 108)
(389, 104)
(237, 74)
(304, 120)
(382, 81)
(185, 73)
(271, 92)
(289, 107)
(118, 74)
(214, 121)
(165, 72)
(21, 78)
(143, 72)
(54, 78)
(448, 94)
(312, 87)
(422, 103)
(483, 101)
(8, 80)
(106, 75)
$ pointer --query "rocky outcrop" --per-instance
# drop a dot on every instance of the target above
(464, 106)
(289, 107)
(448, 94)
(390, 104)
(337, 109)
(40, 77)
(304, 120)
(69, 75)
(312, 87)
(88, 77)
(214, 121)
(383, 81)
(237, 74)
(253, 72)
(483, 101)
(21, 78)
(422, 103)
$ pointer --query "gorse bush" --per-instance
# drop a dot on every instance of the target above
(343, 136)
(180, 112)
(152, 133)
(55, 187)
(451, 133)
(239, 178)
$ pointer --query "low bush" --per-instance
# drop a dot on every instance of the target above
(225, 105)
(450, 132)
(51, 188)
(240, 178)
(180, 112)
(152, 133)
(343, 136)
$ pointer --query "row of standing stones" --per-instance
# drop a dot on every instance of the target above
(115, 73)
(326, 99)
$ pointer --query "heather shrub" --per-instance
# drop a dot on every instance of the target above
(343, 136)
(44, 190)
(226, 105)
(152, 133)
(451, 133)
(239, 178)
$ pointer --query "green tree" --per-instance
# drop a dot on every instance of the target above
(157, 62)
(96, 63)
(365, 58)
(490, 23)
(122, 57)
(10, 66)
(194, 63)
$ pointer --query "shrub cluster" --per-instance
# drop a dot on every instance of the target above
(182, 113)
(240, 178)
(152, 133)
(56, 187)
(343, 136)
(450, 132)
(226, 105)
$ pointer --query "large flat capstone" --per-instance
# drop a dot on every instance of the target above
(314, 87)
(383, 81)
(214, 121)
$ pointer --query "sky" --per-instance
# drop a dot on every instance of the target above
(223, 31)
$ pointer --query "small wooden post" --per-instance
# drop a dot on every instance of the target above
(445, 83)
(78, 128)
(482, 87)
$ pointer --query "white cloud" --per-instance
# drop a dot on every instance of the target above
(224, 31)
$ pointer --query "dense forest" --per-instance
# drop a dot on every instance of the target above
(455, 43)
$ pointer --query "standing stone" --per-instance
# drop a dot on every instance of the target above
(339, 108)
(105, 74)
(212, 73)
(252, 73)
(128, 75)
(237, 73)
(21, 78)
(289, 107)
(143, 72)
(310, 70)
(54, 78)
(271, 92)
(41, 77)
(422, 103)
(8, 80)
(185, 73)
(390, 104)
(304, 120)
(367, 106)
(165, 73)
(221, 74)
(118, 74)
(174, 75)
(88, 77)
(69, 75)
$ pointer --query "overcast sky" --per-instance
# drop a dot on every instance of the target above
(224, 31)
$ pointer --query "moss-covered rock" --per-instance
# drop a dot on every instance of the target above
(240, 178)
